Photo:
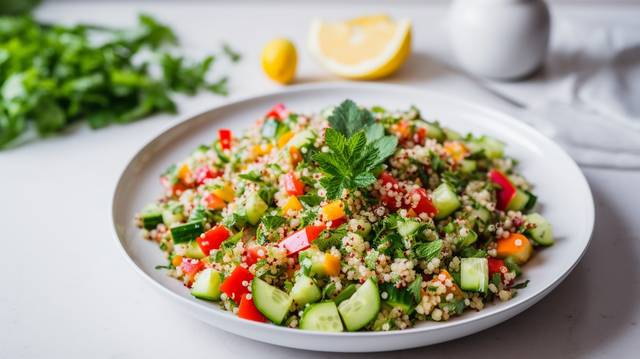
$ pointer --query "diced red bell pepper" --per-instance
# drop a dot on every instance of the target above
(203, 173)
(424, 204)
(338, 222)
(278, 112)
(507, 190)
(191, 267)
(176, 188)
(253, 254)
(224, 135)
(496, 265)
(212, 239)
(233, 285)
(248, 310)
(301, 239)
(420, 136)
(313, 232)
(293, 185)
(296, 242)
(390, 201)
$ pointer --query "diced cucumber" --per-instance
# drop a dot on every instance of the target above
(474, 274)
(255, 207)
(322, 317)
(207, 285)
(186, 232)
(466, 240)
(172, 214)
(305, 290)
(190, 249)
(312, 262)
(468, 166)
(399, 298)
(451, 134)
(542, 233)
(151, 220)
(270, 128)
(272, 302)
(408, 227)
(492, 148)
(345, 294)
(479, 214)
(301, 138)
(362, 307)
(433, 130)
(445, 200)
(522, 201)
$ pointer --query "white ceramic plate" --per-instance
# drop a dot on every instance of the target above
(564, 198)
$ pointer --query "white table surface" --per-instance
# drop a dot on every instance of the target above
(66, 291)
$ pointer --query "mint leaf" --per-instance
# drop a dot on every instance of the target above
(386, 146)
(348, 119)
(428, 251)
(374, 131)
(364, 179)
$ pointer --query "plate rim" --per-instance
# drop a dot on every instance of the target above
(460, 322)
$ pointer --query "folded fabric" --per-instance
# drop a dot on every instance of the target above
(588, 95)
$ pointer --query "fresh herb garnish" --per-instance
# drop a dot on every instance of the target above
(428, 251)
(415, 288)
(357, 147)
(53, 75)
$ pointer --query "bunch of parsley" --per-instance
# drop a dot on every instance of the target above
(357, 148)
(52, 75)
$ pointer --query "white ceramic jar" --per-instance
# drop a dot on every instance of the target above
(500, 39)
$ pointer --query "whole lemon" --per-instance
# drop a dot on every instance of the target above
(279, 60)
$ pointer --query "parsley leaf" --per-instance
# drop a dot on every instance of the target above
(332, 239)
(348, 119)
(357, 147)
(415, 289)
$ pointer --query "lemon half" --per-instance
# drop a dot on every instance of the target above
(363, 48)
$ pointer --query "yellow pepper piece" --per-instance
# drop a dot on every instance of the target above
(456, 150)
(260, 150)
(292, 204)
(184, 173)
(331, 265)
(226, 192)
(282, 141)
(333, 210)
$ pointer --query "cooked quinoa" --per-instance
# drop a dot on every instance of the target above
(348, 219)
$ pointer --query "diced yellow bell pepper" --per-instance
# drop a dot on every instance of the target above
(226, 192)
(333, 210)
(282, 141)
(331, 265)
(295, 155)
(184, 173)
(456, 150)
(292, 204)
(263, 149)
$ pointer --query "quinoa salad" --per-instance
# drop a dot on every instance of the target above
(350, 219)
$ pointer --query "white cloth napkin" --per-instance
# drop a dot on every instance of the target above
(587, 97)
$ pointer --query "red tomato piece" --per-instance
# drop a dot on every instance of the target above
(191, 267)
(253, 254)
(293, 185)
(507, 190)
(278, 112)
(212, 239)
(424, 204)
(496, 265)
(390, 184)
(233, 285)
(248, 310)
(224, 135)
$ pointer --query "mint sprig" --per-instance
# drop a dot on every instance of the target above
(357, 146)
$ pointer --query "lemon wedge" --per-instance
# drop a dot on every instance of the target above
(363, 48)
